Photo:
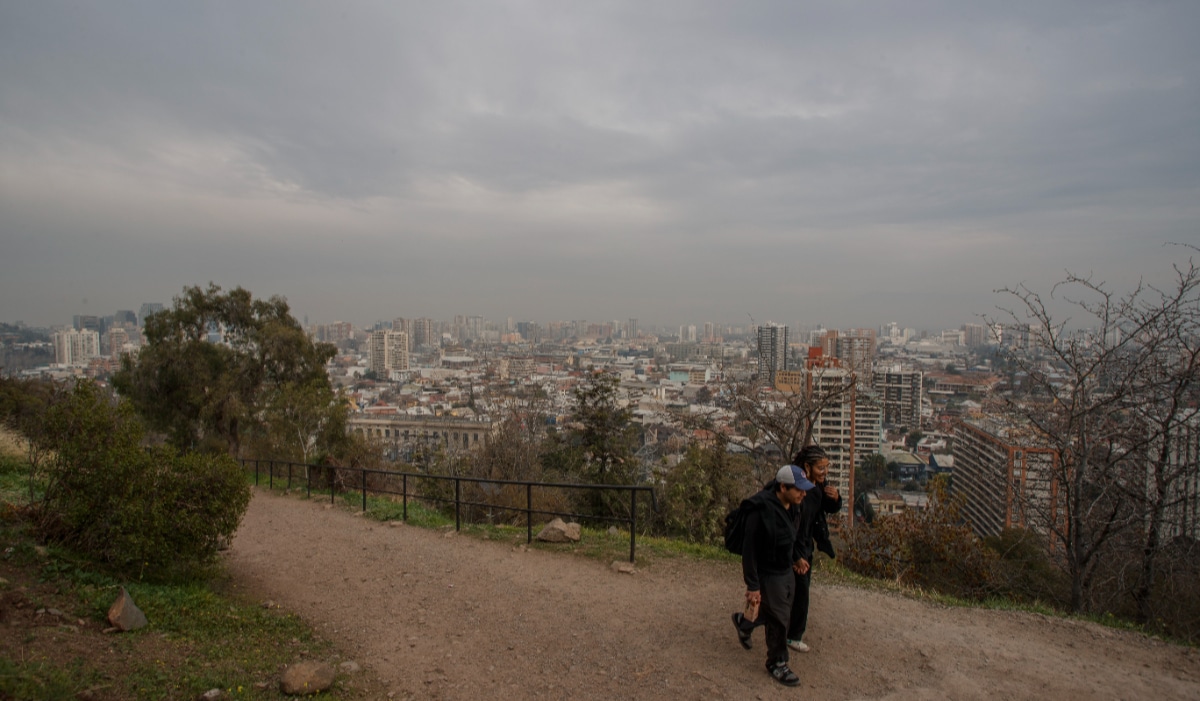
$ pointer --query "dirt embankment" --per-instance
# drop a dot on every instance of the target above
(444, 617)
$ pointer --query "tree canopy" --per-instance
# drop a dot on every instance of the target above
(214, 363)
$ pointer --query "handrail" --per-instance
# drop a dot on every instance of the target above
(458, 501)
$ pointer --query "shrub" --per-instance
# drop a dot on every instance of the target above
(932, 549)
(149, 513)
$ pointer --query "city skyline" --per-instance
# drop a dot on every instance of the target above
(680, 163)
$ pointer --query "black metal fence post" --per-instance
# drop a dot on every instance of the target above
(271, 467)
(632, 523)
(404, 488)
(307, 481)
(528, 513)
(457, 504)
(290, 466)
(256, 473)
(364, 501)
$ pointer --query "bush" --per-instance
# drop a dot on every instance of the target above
(932, 549)
(699, 491)
(149, 513)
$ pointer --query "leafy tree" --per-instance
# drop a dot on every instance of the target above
(871, 472)
(302, 418)
(603, 431)
(699, 491)
(913, 439)
(205, 393)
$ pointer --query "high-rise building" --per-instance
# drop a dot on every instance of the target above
(388, 353)
(1007, 480)
(146, 310)
(900, 393)
(631, 329)
(974, 335)
(834, 427)
(423, 333)
(772, 351)
(709, 332)
(118, 338)
(89, 322)
(126, 318)
(75, 347)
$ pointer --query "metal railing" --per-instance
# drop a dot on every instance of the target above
(334, 478)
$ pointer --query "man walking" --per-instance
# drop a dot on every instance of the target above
(767, 552)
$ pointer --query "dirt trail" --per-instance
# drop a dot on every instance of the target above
(445, 617)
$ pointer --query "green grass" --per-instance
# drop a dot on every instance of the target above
(199, 636)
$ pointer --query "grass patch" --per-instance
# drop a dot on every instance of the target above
(200, 636)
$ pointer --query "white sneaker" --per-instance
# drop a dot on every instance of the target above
(798, 645)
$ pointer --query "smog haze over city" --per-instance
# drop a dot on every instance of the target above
(840, 163)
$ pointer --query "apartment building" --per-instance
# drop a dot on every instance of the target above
(900, 393)
(388, 353)
(1007, 480)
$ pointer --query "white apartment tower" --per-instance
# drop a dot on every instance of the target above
(73, 347)
(388, 353)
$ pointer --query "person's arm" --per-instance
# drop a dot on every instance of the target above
(803, 550)
(750, 551)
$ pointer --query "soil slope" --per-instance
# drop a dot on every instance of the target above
(438, 616)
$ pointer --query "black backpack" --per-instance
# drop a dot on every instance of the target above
(735, 526)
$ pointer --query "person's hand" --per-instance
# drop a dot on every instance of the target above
(801, 566)
(831, 491)
(754, 598)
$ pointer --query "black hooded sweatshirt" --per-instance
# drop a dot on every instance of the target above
(770, 538)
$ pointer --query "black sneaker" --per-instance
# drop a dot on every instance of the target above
(743, 636)
(782, 674)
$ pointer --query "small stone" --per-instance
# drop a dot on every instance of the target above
(269, 604)
(394, 524)
(612, 530)
(622, 567)
(211, 695)
(56, 613)
(124, 614)
(349, 667)
(306, 678)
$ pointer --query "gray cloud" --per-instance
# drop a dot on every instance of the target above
(835, 162)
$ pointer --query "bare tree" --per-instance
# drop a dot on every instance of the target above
(1111, 390)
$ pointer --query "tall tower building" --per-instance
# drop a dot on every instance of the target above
(772, 351)
(388, 353)
(834, 428)
(422, 332)
(900, 392)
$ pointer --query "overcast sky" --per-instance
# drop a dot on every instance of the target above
(846, 163)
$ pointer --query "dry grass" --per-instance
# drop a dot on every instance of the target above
(11, 443)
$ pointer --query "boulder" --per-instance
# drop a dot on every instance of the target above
(558, 532)
(124, 615)
(305, 678)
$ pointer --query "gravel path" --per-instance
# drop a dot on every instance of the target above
(438, 616)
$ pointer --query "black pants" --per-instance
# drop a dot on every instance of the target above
(798, 622)
(774, 614)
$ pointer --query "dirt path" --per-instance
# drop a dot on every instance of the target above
(445, 617)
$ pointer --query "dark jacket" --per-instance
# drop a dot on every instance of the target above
(811, 524)
(770, 539)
